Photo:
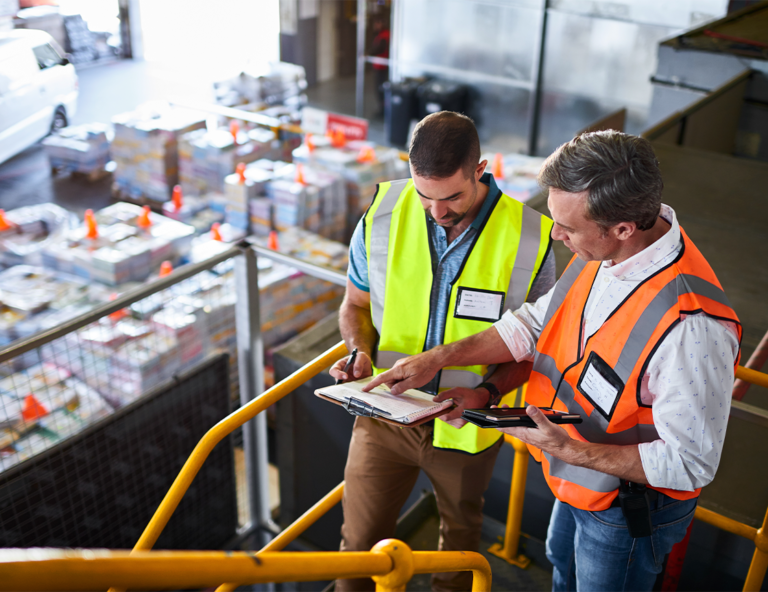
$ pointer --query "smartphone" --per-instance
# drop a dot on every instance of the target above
(510, 417)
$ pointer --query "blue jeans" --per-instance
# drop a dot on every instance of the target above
(593, 551)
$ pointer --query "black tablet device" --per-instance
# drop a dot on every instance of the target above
(513, 417)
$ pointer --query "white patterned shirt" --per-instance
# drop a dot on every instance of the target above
(689, 378)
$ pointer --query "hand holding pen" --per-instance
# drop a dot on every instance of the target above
(350, 364)
(356, 366)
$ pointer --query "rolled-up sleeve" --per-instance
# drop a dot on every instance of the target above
(520, 329)
(688, 384)
(357, 272)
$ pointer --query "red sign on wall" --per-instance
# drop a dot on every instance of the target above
(320, 122)
(354, 128)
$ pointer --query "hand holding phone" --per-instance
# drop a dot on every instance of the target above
(513, 417)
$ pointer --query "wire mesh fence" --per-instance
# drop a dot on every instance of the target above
(101, 486)
(56, 396)
(55, 391)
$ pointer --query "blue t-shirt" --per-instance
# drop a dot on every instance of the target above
(447, 261)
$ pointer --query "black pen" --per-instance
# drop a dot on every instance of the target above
(350, 363)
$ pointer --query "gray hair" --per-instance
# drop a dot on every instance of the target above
(619, 171)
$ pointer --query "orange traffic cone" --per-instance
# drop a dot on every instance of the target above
(234, 129)
(338, 138)
(300, 174)
(309, 142)
(144, 221)
(166, 268)
(272, 241)
(4, 223)
(91, 225)
(216, 232)
(177, 197)
(366, 154)
(118, 315)
(33, 409)
(240, 170)
(497, 168)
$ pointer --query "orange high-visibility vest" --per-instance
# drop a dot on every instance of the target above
(564, 371)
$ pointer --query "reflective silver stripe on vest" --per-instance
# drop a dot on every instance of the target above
(525, 260)
(658, 307)
(562, 287)
(592, 480)
(449, 378)
(462, 378)
(377, 258)
(387, 359)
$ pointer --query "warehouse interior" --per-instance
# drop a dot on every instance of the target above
(178, 189)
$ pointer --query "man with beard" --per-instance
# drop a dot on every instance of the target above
(435, 259)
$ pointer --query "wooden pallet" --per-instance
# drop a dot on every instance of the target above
(120, 195)
(91, 176)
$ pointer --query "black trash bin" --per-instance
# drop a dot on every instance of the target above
(436, 95)
(401, 105)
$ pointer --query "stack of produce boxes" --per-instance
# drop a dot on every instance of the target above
(283, 196)
(145, 149)
(516, 174)
(240, 190)
(81, 149)
(129, 244)
(361, 164)
(33, 299)
(207, 157)
(25, 232)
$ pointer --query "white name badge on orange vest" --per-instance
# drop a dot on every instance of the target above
(600, 384)
(479, 305)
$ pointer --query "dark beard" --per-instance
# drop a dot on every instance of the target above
(458, 218)
(452, 222)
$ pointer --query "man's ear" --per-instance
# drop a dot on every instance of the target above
(480, 169)
(624, 230)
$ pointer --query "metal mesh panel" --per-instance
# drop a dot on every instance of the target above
(91, 387)
(100, 487)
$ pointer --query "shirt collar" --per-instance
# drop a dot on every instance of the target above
(490, 199)
(654, 256)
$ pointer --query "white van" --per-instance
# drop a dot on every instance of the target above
(38, 89)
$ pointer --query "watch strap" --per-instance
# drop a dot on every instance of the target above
(494, 392)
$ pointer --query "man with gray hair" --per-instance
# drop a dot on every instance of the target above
(638, 338)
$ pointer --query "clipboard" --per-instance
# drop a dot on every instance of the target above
(356, 406)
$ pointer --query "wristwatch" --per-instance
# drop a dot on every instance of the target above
(493, 390)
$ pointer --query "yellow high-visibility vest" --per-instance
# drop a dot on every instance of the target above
(503, 261)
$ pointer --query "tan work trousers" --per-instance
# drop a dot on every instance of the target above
(382, 468)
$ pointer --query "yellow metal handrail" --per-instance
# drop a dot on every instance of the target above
(509, 550)
(390, 563)
(759, 564)
(221, 430)
(301, 524)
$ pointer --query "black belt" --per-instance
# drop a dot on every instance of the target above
(653, 495)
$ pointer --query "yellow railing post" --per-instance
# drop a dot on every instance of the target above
(508, 550)
(301, 524)
(442, 561)
(402, 566)
(759, 564)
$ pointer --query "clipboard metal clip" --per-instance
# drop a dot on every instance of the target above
(361, 408)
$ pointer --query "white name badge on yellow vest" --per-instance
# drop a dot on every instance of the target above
(479, 305)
